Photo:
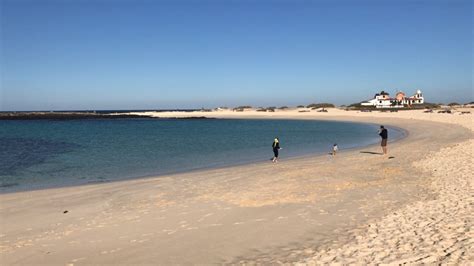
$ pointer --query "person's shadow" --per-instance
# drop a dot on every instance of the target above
(371, 152)
(376, 153)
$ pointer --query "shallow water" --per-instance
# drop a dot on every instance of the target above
(39, 154)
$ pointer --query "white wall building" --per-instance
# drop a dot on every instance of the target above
(383, 100)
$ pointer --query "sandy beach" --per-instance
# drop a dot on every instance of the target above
(357, 207)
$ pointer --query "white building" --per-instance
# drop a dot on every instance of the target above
(383, 100)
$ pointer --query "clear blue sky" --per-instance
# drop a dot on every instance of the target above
(107, 54)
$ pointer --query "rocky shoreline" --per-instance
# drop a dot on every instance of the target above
(79, 115)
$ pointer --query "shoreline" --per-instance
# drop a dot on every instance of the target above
(270, 217)
(402, 133)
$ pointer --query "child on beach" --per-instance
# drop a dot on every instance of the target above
(334, 149)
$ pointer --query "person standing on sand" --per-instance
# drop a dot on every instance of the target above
(383, 133)
(276, 147)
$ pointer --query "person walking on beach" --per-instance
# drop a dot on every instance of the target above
(383, 133)
(334, 149)
(276, 147)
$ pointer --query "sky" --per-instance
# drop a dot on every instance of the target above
(143, 54)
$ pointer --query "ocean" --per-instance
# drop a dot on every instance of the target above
(36, 154)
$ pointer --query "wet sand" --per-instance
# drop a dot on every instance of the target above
(305, 210)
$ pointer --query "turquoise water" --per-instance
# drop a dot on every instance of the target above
(39, 154)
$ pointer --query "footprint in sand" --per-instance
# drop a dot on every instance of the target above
(204, 217)
(169, 231)
(104, 252)
(213, 225)
(78, 259)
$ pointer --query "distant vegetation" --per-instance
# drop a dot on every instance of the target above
(241, 108)
(283, 107)
(268, 109)
(300, 106)
(430, 105)
(359, 106)
(320, 105)
(453, 104)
